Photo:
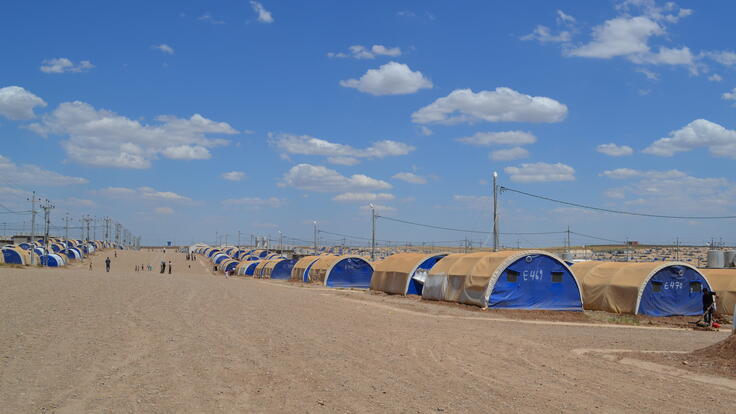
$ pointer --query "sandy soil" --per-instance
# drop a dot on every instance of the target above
(74, 340)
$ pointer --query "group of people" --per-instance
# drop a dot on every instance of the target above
(141, 268)
(163, 267)
(191, 257)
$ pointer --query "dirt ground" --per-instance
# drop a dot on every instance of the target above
(74, 340)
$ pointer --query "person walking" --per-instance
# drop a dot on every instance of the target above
(709, 305)
(107, 265)
(169, 266)
(163, 267)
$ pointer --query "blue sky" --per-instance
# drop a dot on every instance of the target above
(180, 119)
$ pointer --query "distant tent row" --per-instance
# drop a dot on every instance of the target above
(60, 252)
(503, 280)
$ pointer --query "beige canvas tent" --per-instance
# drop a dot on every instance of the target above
(723, 282)
(651, 288)
(396, 273)
(507, 279)
(299, 271)
(341, 271)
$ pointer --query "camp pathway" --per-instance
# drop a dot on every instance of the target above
(74, 341)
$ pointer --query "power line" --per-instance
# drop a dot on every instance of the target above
(607, 210)
(432, 226)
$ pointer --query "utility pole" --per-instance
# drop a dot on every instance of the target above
(315, 238)
(495, 212)
(33, 225)
(281, 242)
(47, 223)
(373, 232)
(568, 239)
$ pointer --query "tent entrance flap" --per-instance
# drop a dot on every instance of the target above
(536, 282)
(350, 273)
(416, 283)
(673, 290)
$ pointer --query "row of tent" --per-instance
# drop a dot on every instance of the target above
(511, 280)
(59, 253)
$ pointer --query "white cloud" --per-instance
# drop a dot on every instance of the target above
(362, 52)
(699, 133)
(390, 79)
(544, 34)
(541, 172)
(264, 16)
(729, 96)
(410, 178)
(648, 73)
(379, 208)
(672, 191)
(142, 193)
(164, 48)
(322, 179)
(628, 173)
(29, 174)
(425, 131)
(628, 36)
(253, 203)
(509, 154)
(64, 65)
(614, 150)
(163, 210)
(363, 197)
(337, 153)
(105, 139)
(501, 105)
(715, 78)
(17, 103)
(564, 18)
(207, 17)
(487, 139)
(233, 175)
(724, 57)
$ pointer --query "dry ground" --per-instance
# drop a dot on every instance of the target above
(74, 340)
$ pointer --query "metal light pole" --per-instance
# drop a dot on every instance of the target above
(315, 238)
(373, 232)
(495, 212)
(33, 225)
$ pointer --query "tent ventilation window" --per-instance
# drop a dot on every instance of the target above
(695, 287)
(512, 276)
(556, 277)
(656, 286)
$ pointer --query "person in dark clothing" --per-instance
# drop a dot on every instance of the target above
(163, 267)
(709, 305)
(169, 266)
(107, 264)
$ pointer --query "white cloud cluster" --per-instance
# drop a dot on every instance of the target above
(515, 138)
(500, 105)
(363, 197)
(715, 77)
(700, 133)
(105, 139)
(672, 191)
(29, 174)
(724, 57)
(142, 193)
(544, 34)
(64, 65)
(233, 175)
(322, 179)
(729, 96)
(253, 203)
(264, 16)
(17, 103)
(362, 52)
(614, 150)
(207, 17)
(410, 178)
(337, 153)
(164, 48)
(509, 154)
(390, 79)
(487, 139)
(541, 172)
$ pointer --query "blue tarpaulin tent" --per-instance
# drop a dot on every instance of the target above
(509, 279)
(341, 271)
